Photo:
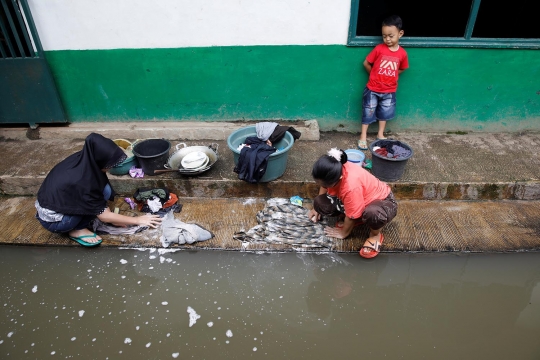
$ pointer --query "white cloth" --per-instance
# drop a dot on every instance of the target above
(176, 231)
(265, 129)
(154, 204)
(48, 215)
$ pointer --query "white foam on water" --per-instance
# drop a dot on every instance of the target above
(73, 338)
(148, 345)
(53, 352)
(229, 333)
(175, 355)
(81, 313)
(254, 349)
(193, 316)
(210, 324)
(127, 341)
(34, 289)
(165, 251)
(164, 303)
(122, 261)
(10, 334)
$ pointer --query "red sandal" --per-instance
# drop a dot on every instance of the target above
(375, 248)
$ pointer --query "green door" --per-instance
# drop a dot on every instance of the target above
(28, 93)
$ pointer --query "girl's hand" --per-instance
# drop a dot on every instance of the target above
(313, 215)
(149, 220)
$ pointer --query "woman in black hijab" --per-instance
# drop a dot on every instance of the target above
(77, 189)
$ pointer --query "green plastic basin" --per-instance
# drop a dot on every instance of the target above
(277, 162)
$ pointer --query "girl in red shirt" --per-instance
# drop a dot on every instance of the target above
(352, 193)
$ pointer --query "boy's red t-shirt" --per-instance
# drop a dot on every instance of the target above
(384, 74)
(357, 189)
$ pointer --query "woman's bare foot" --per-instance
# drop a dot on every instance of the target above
(81, 232)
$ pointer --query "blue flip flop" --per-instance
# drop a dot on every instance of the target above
(362, 144)
(80, 240)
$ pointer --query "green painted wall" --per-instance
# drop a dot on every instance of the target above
(444, 89)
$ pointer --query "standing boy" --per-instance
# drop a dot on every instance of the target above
(383, 64)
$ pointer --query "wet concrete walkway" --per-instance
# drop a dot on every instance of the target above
(421, 226)
(459, 192)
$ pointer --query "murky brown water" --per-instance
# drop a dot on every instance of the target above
(128, 304)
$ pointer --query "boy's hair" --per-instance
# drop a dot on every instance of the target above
(393, 20)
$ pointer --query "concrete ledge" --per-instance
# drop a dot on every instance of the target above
(233, 188)
(145, 130)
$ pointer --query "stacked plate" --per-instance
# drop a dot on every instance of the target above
(195, 161)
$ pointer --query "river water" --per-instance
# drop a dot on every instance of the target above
(131, 304)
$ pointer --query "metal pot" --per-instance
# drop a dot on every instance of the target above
(175, 160)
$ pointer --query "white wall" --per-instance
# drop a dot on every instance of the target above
(113, 24)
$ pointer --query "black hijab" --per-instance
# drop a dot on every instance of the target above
(75, 185)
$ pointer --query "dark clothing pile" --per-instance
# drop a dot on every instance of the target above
(168, 200)
(393, 149)
(253, 160)
(279, 133)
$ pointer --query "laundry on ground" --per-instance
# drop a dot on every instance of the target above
(281, 222)
(179, 232)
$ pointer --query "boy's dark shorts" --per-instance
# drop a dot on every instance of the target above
(377, 106)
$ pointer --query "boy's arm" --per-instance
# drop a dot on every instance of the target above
(401, 70)
(367, 66)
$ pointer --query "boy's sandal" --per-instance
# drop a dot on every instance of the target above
(362, 144)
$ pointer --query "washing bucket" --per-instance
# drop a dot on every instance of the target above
(388, 169)
(277, 162)
(152, 154)
(355, 156)
(131, 160)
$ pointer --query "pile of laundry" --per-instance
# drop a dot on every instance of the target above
(282, 222)
(179, 232)
(256, 150)
(392, 149)
(157, 201)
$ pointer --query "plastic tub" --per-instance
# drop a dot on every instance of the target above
(152, 154)
(277, 162)
(131, 160)
(124, 166)
(388, 169)
(355, 156)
